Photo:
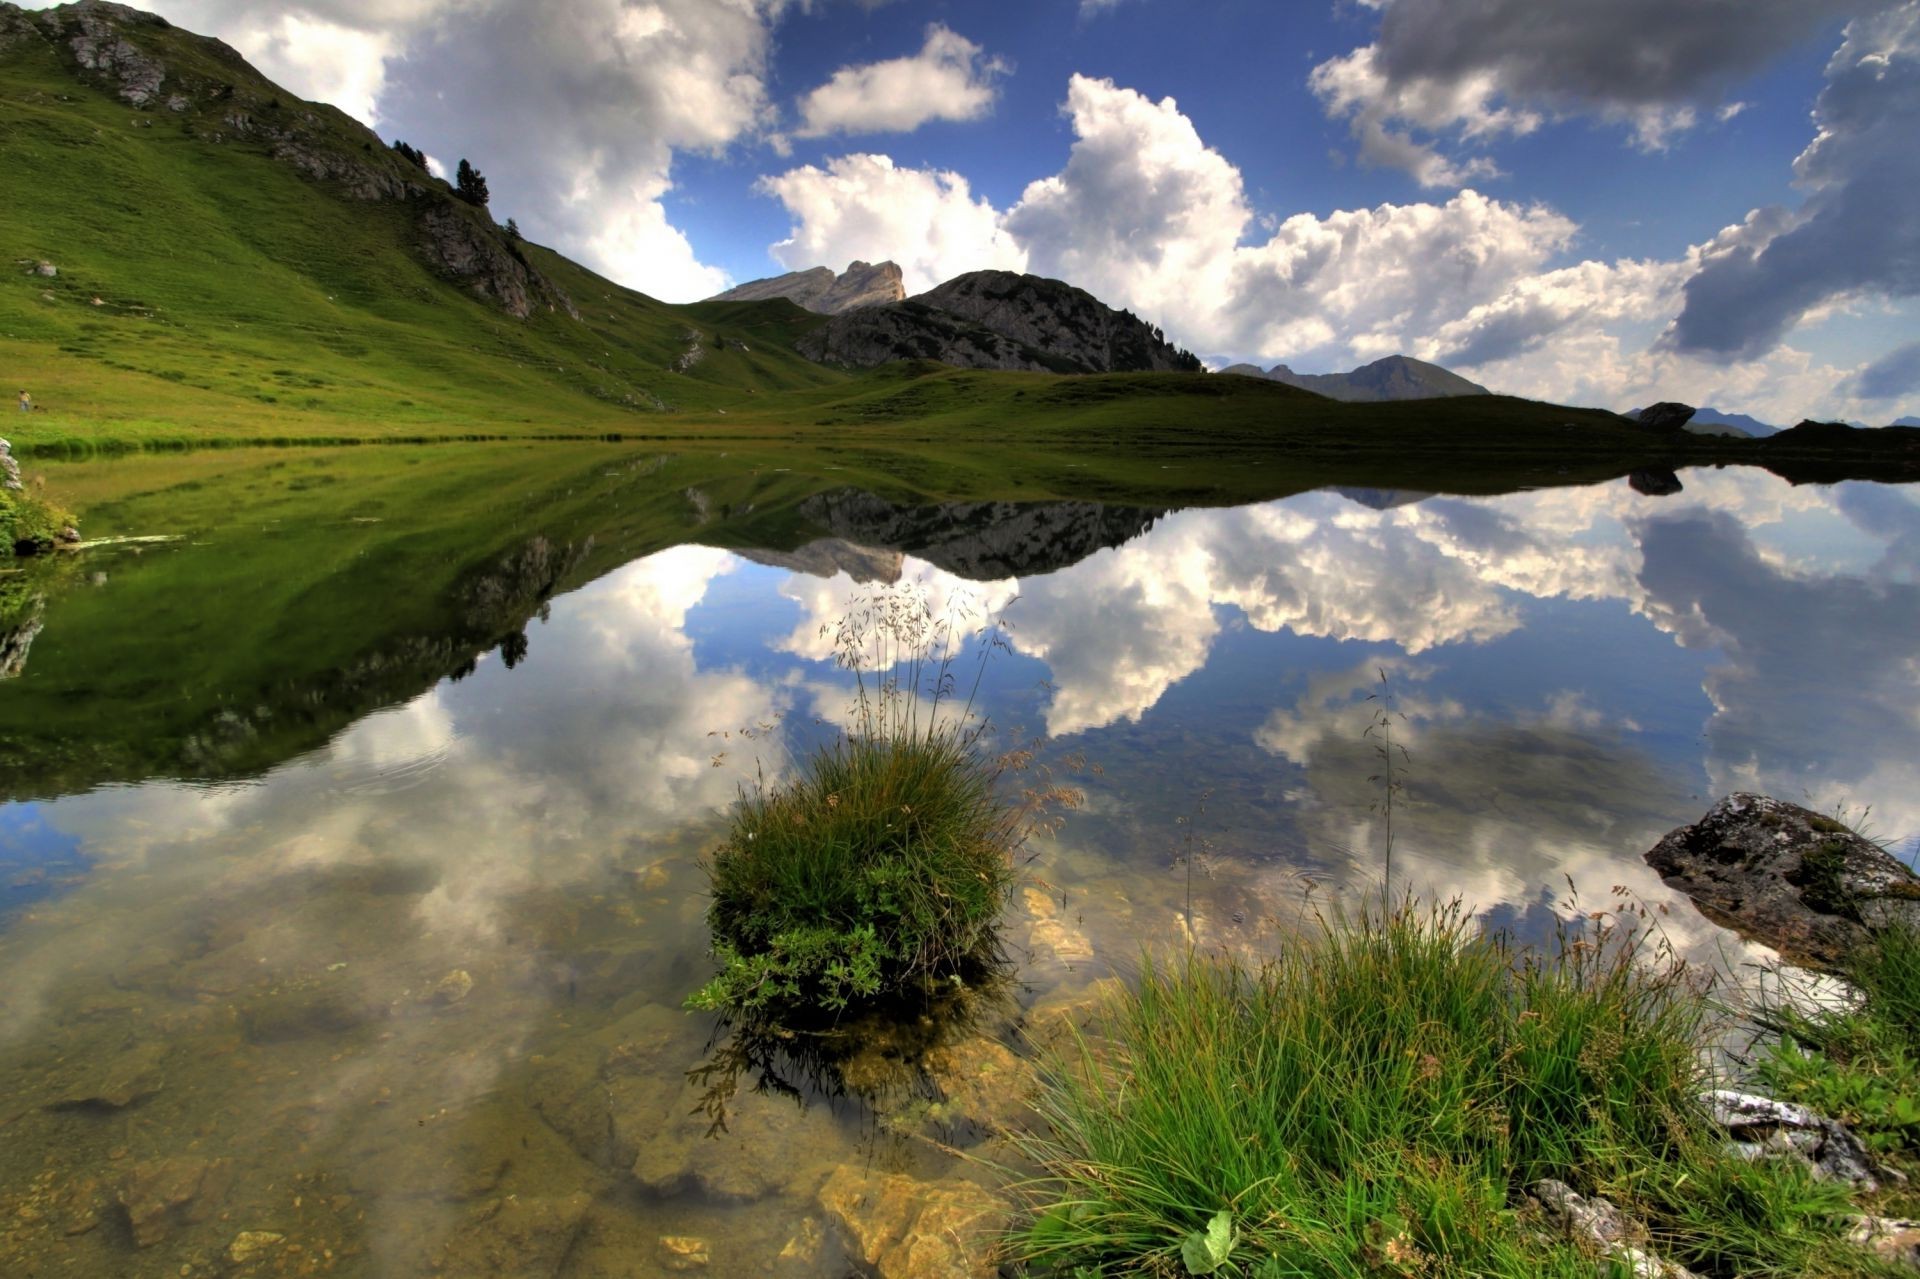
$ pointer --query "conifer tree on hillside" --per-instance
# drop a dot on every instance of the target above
(471, 185)
(513, 231)
(412, 155)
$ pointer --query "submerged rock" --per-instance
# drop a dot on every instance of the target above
(160, 1193)
(1793, 879)
(907, 1229)
(521, 1237)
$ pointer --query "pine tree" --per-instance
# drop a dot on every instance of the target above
(471, 185)
(513, 231)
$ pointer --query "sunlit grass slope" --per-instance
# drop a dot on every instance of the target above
(208, 288)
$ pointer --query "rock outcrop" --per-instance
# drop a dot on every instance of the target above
(1793, 879)
(1666, 416)
(861, 284)
(1398, 377)
(999, 320)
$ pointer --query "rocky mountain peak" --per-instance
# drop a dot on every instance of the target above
(818, 289)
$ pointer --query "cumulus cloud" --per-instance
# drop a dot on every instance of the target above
(1894, 374)
(1473, 70)
(1851, 237)
(948, 79)
(864, 207)
(1147, 216)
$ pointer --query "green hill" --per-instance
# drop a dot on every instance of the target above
(231, 259)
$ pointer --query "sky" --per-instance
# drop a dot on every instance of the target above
(1602, 202)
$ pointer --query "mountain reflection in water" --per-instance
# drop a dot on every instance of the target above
(403, 988)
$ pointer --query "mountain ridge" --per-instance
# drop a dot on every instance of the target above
(1397, 377)
(819, 290)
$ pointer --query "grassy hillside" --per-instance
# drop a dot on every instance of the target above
(208, 286)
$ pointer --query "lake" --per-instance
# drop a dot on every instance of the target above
(350, 848)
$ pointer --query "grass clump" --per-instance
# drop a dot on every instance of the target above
(1378, 1098)
(1860, 1062)
(29, 524)
(880, 872)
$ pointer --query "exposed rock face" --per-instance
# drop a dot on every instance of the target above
(1666, 416)
(99, 46)
(1398, 377)
(1065, 322)
(469, 249)
(999, 320)
(1789, 877)
(982, 541)
(874, 336)
(861, 284)
(9, 469)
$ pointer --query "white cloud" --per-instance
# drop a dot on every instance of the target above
(947, 80)
(864, 207)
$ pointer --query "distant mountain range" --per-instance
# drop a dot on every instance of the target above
(1905, 421)
(820, 290)
(1398, 377)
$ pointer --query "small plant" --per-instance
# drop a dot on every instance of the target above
(878, 874)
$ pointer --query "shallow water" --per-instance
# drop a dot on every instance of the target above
(371, 963)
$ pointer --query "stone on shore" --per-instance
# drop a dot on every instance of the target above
(1788, 877)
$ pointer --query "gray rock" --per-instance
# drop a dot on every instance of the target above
(462, 245)
(1894, 1240)
(1666, 416)
(1788, 877)
(46, 270)
(820, 290)
(1761, 1128)
(9, 469)
(159, 1194)
(1598, 1223)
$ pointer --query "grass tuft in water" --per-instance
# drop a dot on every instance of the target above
(880, 872)
(1377, 1098)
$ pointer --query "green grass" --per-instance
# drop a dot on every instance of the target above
(1859, 1063)
(1375, 1101)
(877, 876)
(29, 518)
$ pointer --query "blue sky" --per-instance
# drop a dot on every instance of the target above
(1591, 201)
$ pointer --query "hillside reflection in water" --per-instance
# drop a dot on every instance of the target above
(383, 981)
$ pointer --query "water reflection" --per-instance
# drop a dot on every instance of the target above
(412, 999)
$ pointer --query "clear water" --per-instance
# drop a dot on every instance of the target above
(408, 1001)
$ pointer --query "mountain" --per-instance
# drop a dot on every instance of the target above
(1398, 377)
(821, 291)
(1711, 421)
(999, 320)
(1905, 421)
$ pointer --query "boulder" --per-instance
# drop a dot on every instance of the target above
(1599, 1225)
(9, 469)
(160, 1193)
(1761, 1128)
(1667, 416)
(1790, 878)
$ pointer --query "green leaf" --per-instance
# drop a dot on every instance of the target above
(1205, 1251)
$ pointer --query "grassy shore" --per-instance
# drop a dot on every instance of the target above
(1379, 1099)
